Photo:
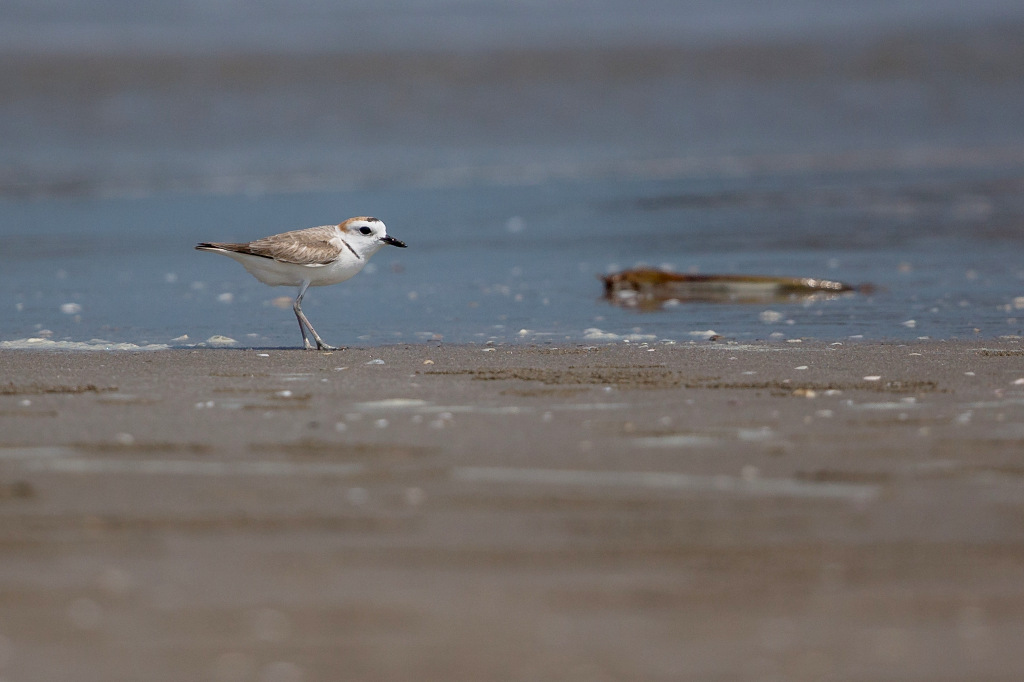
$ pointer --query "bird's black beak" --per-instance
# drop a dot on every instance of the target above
(387, 239)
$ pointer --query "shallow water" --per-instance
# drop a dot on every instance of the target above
(690, 136)
(521, 263)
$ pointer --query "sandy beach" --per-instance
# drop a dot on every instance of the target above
(493, 484)
(784, 511)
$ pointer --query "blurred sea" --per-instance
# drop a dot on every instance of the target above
(521, 150)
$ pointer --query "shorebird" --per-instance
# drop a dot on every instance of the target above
(314, 257)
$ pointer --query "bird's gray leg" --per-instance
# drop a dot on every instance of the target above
(297, 307)
(304, 323)
(320, 345)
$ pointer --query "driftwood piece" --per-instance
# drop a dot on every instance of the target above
(649, 288)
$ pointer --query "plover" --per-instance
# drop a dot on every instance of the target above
(313, 257)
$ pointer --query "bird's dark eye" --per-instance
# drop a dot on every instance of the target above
(365, 230)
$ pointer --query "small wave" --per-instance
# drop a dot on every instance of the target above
(36, 343)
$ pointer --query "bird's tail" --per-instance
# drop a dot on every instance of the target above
(220, 246)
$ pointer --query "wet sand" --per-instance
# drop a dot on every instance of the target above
(712, 511)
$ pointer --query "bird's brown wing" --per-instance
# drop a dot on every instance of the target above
(311, 246)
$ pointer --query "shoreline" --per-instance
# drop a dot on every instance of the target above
(598, 340)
